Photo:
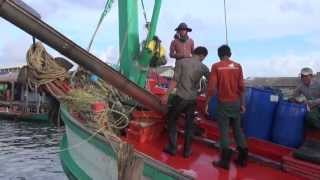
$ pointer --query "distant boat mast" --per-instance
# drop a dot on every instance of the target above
(225, 21)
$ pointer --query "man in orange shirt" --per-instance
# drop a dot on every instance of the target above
(226, 82)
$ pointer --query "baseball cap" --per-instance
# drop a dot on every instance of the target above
(306, 71)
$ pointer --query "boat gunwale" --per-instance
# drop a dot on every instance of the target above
(149, 161)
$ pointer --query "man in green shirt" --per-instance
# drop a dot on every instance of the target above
(187, 74)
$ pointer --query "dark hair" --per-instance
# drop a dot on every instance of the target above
(200, 51)
(223, 51)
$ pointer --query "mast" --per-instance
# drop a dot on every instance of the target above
(133, 64)
(128, 34)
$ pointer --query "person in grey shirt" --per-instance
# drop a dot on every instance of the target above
(187, 74)
(310, 89)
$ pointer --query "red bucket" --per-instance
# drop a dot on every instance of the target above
(98, 106)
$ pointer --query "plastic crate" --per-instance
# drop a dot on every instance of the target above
(141, 134)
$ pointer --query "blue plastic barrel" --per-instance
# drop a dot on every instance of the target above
(247, 95)
(257, 121)
(212, 108)
(288, 126)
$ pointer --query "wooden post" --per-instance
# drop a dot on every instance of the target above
(37, 99)
(12, 95)
(58, 118)
(12, 91)
(26, 98)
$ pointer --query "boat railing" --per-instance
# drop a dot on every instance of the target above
(7, 70)
(33, 107)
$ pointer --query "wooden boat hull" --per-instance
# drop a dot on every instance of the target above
(85, 156)
(27, 117)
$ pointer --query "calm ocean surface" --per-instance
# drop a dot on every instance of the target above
(28, 150)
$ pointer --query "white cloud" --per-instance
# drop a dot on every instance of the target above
(248, 20)
(314, 40)
(273, 18)
(287, 65)
(13, 52)
(76, 21)
(110, 55)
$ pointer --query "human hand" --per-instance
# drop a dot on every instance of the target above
(292, 100)
(310, 103)
(297, 101)
(242, 109)
(206, 109)
(164, 99)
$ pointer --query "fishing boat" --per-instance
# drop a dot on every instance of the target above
(136, 152)
(19, 102)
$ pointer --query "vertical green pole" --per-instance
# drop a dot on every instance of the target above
(140, 78)
(128, 34)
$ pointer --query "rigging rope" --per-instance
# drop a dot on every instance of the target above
(225, 21)
(145, 14)
(106, 10)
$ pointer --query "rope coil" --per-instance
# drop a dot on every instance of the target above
(42, 68)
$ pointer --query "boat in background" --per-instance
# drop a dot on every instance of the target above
(17, 101)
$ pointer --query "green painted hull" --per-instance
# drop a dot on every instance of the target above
(94, 158)
(72, 170)
(37, 117)
(27, 117)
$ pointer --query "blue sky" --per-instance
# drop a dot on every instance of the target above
(269, 38)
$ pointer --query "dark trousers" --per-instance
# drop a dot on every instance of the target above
(313, 118)
(178, 106)
(229, 113)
